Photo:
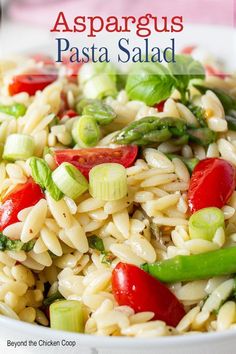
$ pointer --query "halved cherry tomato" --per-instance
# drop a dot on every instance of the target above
(43, 58)
(188, 50)
(85, 159)
(160, 106)
(133, 287)
(22, 196)
(69, 113)
(211, 71)
(212, 184)
(33, 81)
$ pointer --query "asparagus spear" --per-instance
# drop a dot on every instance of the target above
(228, 102)
(199, 266)
(150, 130)
(202, 136)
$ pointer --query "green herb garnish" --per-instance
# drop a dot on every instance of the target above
(108, 258)
(96, 242)
(153, 83)
(6, 244)
(42, 175)
(185, 69)
(150, 83)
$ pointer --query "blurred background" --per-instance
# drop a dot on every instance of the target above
(25, 24)
(41, 12)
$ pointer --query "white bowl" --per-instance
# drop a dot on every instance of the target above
(206, 343)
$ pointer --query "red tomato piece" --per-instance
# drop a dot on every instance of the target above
(42, 58)
(72, 69)
(22, 196)
(211, 71)
(188, 50)
(33, 81)
(69, 113)
(64, 104)
(85, 159)
(160, 106)
(212, 184)
(133, 287)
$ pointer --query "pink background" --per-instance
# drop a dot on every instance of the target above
(43, 12)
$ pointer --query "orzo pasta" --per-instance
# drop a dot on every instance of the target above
(118, 204)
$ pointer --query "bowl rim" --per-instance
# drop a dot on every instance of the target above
(109, 342)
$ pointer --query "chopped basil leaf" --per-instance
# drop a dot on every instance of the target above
(96, 243)
(42, 175)
(6, 244)
(150, 83)
(121, 81)
(185, 69)
(153, 83)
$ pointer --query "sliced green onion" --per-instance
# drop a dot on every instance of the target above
(16, 110)
(82, 104)
(204, 223)
(98, 80)
(69, 180)
(108, 181)
(67, 315)
(90, 70)
(86, 132)
(100, 86)
(18, 147)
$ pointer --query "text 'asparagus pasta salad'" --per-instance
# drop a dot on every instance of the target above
(118, 201)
